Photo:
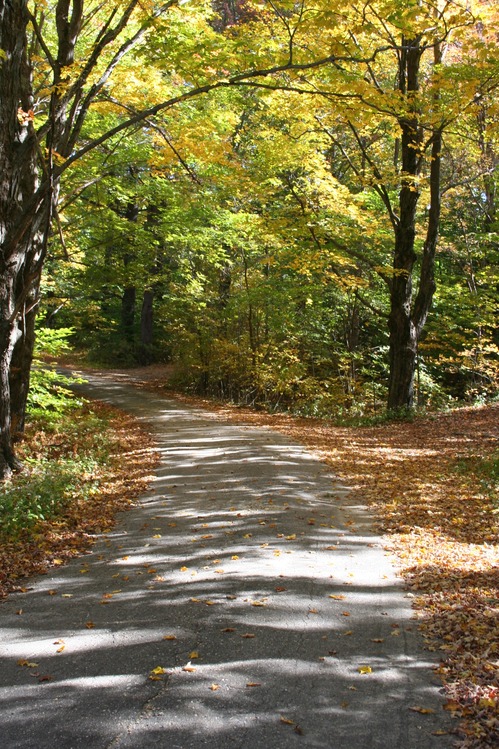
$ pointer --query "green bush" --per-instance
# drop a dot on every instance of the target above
(49, 395)
(44, 493)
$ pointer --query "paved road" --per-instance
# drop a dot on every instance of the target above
(246, 585)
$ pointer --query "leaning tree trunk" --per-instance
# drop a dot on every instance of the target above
(22, 208)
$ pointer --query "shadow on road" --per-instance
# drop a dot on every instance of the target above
(246, 603)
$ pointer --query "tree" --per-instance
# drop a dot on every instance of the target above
(377, 70)
(412, 85)
(55, 66)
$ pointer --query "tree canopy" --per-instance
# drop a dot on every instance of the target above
(295, 202)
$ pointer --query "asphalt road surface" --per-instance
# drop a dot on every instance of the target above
(245, 604)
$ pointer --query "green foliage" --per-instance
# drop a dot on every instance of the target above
(44, 494)
(260, 220)
(49, 395)
(55, 476)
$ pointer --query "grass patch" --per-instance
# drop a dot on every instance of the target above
(63, 467)
(80, 471)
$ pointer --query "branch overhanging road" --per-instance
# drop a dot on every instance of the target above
(244, 604)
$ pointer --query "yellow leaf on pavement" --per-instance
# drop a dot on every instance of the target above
(365, 670)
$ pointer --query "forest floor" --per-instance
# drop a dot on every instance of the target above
(425, 484)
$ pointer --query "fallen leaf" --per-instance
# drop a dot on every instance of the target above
(194, 654)
(253, 684)
(214, 687)
(26, 664)
(365, 670)
(337, 597)
(158, 670)
(453, 706)
(89, 625)
(287, 721)
(247, 635)
(422, 710)
(169, 637)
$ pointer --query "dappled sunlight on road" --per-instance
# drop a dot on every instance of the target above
(247, 603)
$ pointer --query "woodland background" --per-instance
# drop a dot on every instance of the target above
(247, 234)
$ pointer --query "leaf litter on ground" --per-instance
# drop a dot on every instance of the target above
(424, 482)
(439, 520)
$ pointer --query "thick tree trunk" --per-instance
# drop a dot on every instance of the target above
(403, 340)
(22, 213)
(407, 317)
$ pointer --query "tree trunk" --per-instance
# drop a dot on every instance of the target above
(146, 327)
(128, 313)
(23, 216)
(403, 341)
(407, 318)
(146, 318)
(22, 358)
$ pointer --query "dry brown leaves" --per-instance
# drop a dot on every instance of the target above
(443, 529)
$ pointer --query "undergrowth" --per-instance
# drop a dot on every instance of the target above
(62, 467)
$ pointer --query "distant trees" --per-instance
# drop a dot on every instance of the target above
(290, 219)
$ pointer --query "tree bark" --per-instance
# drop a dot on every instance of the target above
(128, 300)
(23, 217)
(146, 319)
(407, 315)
